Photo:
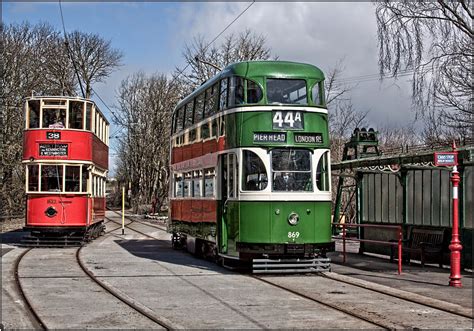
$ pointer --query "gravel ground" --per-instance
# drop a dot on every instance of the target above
(12, 225)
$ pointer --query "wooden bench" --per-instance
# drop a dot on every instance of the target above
(421, 243)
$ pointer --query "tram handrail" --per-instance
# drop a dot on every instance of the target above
(390, 243)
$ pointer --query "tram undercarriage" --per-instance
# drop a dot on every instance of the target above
(62, 236)
(260, 258)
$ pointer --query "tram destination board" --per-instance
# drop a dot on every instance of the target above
(269, 137)
(53, 149)
(309, 138)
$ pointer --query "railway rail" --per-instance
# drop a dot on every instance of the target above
(33, 315)
(379, 322)
(340, 309)
(40, 324)
(127, 301)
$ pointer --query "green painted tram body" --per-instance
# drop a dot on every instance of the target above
(256, 223)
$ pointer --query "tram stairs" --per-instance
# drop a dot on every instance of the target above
(298, 265)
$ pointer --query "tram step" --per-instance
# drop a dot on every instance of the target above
(290, 265)
(30, 241)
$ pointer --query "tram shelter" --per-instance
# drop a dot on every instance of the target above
(403, 187)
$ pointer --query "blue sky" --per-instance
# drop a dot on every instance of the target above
(152, 35)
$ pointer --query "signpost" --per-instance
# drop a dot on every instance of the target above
(451, 159)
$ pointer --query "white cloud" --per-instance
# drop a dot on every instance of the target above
(313, 32)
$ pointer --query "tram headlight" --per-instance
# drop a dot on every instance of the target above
(293, 218)
(50, 211)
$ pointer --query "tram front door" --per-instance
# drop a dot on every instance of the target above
(222, 204)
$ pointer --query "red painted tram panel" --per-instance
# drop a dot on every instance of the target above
(65, 153)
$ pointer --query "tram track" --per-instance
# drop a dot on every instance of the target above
(386, 326)
(40, 324)
(129, 302)
(33, 315)
(414, 298)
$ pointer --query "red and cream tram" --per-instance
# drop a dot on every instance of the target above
(65, 152)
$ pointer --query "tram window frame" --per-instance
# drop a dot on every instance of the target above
(197, 184)
(180, 119)
(211, 103)
(192, 135)
(209, 182)
(57, 120)
(189, 114)
(260, 183)
(223, 93)
(59, 178)
(205, 131)
(278, 174)
(317, 94)
(214, 128)
(199, 108)
(72, 179)
(84, 178)
(33, 174)
(33, 107)
(76, 115)
(187, 184)
(234, 87)
(322, 173)
(258, 92)
(232, 176)
(88, 116)
(276, 90)
(178, 185)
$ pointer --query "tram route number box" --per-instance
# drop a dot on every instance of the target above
(53, 149)
(445, 159)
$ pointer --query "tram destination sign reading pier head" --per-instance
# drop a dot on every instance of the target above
(269, 137)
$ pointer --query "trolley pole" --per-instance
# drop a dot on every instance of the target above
(123, 210)
(455, 247)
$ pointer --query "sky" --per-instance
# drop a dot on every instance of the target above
(152, 35)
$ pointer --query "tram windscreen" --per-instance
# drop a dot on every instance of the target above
(51, 178)
(287, 91)
(291, 170)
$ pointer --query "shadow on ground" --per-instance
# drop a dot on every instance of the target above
(160, 250)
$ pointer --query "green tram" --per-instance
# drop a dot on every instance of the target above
(250, 172)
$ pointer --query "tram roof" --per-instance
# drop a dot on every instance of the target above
(65, 97)
(254, 69)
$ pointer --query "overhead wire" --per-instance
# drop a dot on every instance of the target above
(66, 42)
(213, 40)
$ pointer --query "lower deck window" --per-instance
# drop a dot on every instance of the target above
(254, 173)
(52, 178)
(291, 170)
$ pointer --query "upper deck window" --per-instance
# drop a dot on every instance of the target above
(88, 116)
(287, 91)
(76, 111)
(236, 91)
(54, 118)
(33, 114)
(254, 92)
(318, 93)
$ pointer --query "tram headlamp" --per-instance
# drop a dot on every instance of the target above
(50, 211)
(293, 218)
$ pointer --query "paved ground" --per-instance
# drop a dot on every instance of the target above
(194, 293)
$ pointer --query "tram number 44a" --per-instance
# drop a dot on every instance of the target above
(293, 235)
(287, 119)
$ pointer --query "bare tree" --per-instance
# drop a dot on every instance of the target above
(94, 57)
(34, 61)
(24, 72)
(434, 40)
(145, 106)
(242, 47)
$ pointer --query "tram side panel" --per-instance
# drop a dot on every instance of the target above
(57, 211)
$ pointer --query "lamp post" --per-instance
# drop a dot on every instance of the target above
(455, 246)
